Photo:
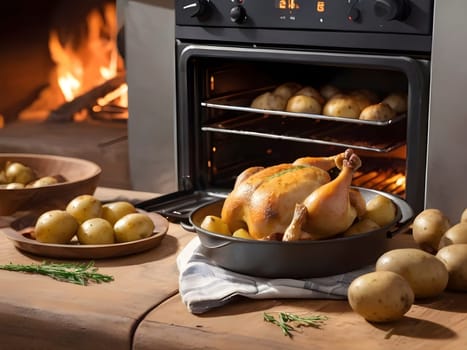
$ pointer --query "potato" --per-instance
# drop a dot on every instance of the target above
(362, 226)
(132, 227)
(13, 186)
(380, 296)
(454, 257)
(361, 98)
(287, 90)
(377, 112)
(55, 226)
(428, 227)
(342, 106)
(242, 233)
(454, 235)
(269, 101)
(357, 201)
(84, 207)
(43, 181)
(95, 231)
(303, 104)
(365, 95)
(18, 172)
(215, 224)
(381, 210)
(426, 274)
(397, 101)
(114, 211)
(312, 92)
(464, 216)
(328, 91)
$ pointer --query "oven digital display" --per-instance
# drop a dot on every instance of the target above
(320, 6)
(287, 4)
(294, 5)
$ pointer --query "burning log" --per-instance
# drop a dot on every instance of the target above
(66, 111)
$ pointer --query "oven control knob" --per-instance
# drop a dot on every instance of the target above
(238, 14)
(196, 8)
(391, 9)
(353, 14)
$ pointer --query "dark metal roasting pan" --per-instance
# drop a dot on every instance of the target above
(299, 259)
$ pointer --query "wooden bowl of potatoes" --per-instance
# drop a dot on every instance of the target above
(36, 182)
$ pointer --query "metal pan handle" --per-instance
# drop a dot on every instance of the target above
(187, 226)
(206, 240)
(210, 242)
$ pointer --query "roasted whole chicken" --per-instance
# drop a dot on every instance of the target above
(296, 200)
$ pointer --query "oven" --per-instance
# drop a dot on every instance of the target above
(228, 53)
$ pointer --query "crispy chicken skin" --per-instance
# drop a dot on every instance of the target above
(263, 200)
(328, 210)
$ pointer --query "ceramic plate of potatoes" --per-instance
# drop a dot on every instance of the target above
(21, 233)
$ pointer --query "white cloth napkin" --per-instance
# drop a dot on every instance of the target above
(204, 286)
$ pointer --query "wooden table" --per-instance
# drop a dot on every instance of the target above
(428, 325)
(439, 323)
(37, 312)
(142, 310)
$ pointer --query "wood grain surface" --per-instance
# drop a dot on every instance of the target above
(37, 312)
(439, 324)
(142, 310)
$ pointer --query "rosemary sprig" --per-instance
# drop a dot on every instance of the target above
(287, 321)
(77, 273)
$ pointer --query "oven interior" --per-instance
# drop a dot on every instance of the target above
(220, 134)
(234, 138)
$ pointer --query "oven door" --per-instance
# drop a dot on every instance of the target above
(219, 134)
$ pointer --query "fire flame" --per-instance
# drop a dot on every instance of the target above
(120, 93)
(94, 63)
(78, 70)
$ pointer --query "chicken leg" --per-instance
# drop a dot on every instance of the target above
(325, 163)
(328, 210)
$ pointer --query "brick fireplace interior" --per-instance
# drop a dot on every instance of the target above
(36, 114)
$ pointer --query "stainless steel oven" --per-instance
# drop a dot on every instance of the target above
(230, 52)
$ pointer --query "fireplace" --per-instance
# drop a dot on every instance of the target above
(64, 82)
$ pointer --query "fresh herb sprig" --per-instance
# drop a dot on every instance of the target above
(288, 322)
(77, 273)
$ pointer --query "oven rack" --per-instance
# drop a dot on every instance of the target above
(361, 137)
(241, 102)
